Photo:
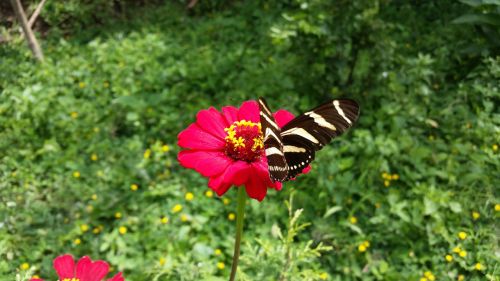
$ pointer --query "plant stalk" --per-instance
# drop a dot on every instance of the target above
(240, 215)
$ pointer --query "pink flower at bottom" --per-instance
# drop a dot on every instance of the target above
(84, 270)
(227, 147)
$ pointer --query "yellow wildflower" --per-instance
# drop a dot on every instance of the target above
(81, 85)
(134, 187)
(74, 114)
(84, 227)
(209, 193)
(189, 196)
(497, 207)
(429, 276)
(161, 261)
(462, 235)
(77, 241)
(118, 215)
(94, 157)
(231, 216)
(35, 276)
(177, 208)
(217, 252)
(323, 276)
(423, 279)
(25, 266)
(463, 253)
(76, 174)
(386, 176)
(395, 177)
(387, 183)
(96, 230)
(89, 208)
(164, 220)
(366, 243)
(184, 218)
(147, 153)
(449, 258)
(227, 201)
(494, 147)
(478, 266)
(165, 148)
(353, 220)
(361, 248)
(460, 277)
(475, 215)
(456, 250)
(105, 84)
(221, 265)
(122, 229)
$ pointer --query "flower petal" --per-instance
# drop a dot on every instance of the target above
(237, 173)
(207, 163)
(230, 114)
(216, 184)
(117, 277)
(249, 110)
(195, 137)
(282, 117)
(82, 267)
(97, 271)
(256, 188)
(212, 121)
(263, 172)
(64, 266)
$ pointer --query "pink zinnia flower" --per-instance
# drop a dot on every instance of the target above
(227, 147)
(85, 270)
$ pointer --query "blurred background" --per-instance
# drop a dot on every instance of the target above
(88, 138)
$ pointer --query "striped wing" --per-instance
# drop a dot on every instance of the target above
(273, 144)
(312, 130)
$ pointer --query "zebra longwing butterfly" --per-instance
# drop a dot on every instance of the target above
(290, 149)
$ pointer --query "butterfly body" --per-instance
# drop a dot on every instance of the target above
(290, 149)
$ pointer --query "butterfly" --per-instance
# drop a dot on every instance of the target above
(290, 149)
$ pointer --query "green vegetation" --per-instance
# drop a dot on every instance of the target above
(88, 139)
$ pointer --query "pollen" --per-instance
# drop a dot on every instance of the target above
(244, 141)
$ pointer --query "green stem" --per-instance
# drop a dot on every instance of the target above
(240, 215)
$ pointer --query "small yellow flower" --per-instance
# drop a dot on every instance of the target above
(423, 279)
(227, 201)
(377, 205)
(323, 276)
(217, 252)
(449, 258)
(134, 187)
(231, 216)
(77, 241)
(25, 266)
(366, 243)
(494, 147)
(462, 235)
(94, 157)
(497, 207)
(478, 266)
(221, 265)
(84, 227)
(189, 196)
(147, 153)
(164, 220)
(353, 220)
(122, 229)
(429, 276)
(74, 114)
(165, 148)
(36, 276)
(94, 197)
(361, 248)
(395, 177)
(96, 230)
(76, 174)
(209, 193)
(387, 183)
(89, 208)
(105, 84)
(184, 218)
(456, 250)
(177, 208)
(118, 215)
(463, 253)
(81, 85)
(161, 261)
(475, 215)
(386, 176)
(96, 130)
(460, 277)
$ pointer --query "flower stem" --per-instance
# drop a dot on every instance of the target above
(240, 215)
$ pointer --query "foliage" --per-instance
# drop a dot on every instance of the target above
(87, 141)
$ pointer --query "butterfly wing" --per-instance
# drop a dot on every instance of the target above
(273, 143)
(312, 130)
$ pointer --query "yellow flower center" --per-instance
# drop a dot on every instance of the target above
(244, 141)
